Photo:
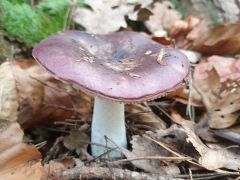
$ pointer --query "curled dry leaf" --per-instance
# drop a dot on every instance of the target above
(186, 31)
(13, 152)
(184, 26)
(211, 158)
(216, 86)
(221, 100)
(226, 67)
(8, 94)
(138, 115)
(221, 39)
(30, 95)
(143, 148)
(19, 160)
(164, 16)
(108, 16)
(182, 95)
(78, 141)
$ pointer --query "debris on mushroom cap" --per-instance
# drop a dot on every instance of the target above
(115, 66)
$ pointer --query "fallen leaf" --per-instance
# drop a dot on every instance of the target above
(13, 152)
(164, 16)
(226, 67)
(186, 31)
(221, 39)
(8, 94)
(142, 148)
(107, 16)
(141, 117)
(30, 95)
(184, 26)
(220, 99)
(78, 141)
(211, 158)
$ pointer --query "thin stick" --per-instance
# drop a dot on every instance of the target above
(84, 172)
(152, 158)
(190, 173)
(173, 152)
(162, 110)
(138, 113)
(41, 144)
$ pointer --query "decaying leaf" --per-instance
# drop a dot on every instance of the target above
(220, 99)
(30, 95)
(184, 26)
(221, 39)
(164, 16)
(8, 94)
(143, 148)
(186, 31)
(211, 158)
(226, 67)
(78, 141)
(182, 95)
(13, 152)
(107, 16)
(17, 159)
(142, 117)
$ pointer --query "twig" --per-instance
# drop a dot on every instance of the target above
(190, 174)
(138, 113)
(41, 144)
(202, 176)
(162, 110)
(152, 158)
(85, 172)
(190, 108)
(173, 152)
(59, 107)
(54, 149)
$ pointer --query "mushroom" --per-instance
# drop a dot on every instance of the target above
(117, 68)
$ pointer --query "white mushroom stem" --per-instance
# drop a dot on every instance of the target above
(108, 120)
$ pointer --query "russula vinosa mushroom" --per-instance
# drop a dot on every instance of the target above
(117, 68)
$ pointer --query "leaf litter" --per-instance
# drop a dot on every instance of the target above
(163, 143)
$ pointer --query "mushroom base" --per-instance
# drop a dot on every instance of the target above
(108, 127)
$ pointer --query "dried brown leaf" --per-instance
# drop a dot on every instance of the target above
(164, 16)
(78, 141)
(220, 99)
(30, 95)
(186, 31)
(138, 114)
(142, 148)
(8, 94)
(108, 16)
(19, 160)
(14, 154)
(184, 26)
(211, 158)
(221, 39)
(182, 95)
(226, 67)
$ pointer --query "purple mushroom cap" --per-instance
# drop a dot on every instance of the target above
(121, 66)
